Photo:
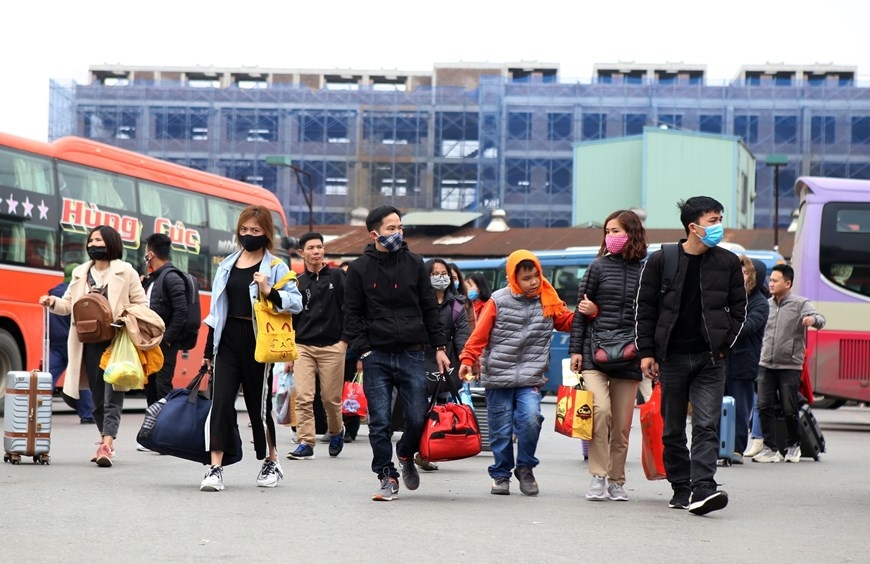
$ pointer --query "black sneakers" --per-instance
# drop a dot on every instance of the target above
(705, 500)
(680, 500)
(410, 477)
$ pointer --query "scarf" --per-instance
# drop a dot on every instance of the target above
(550, 301)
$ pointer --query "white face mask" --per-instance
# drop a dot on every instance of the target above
(440, 281)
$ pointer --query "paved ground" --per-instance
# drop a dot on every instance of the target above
(148, 508)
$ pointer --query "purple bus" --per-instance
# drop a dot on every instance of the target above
(831, 260)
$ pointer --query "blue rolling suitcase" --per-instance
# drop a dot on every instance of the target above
(727, 430)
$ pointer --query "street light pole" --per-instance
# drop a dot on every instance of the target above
(282, 160)
(776, 161)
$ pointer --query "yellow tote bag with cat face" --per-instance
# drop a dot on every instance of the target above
(276, 339)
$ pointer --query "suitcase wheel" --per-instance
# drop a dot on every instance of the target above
(6, 457)
(43, 459)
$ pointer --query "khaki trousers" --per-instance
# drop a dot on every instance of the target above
(327, 363)
(612, 411)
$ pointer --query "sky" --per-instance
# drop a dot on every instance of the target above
(59, 40)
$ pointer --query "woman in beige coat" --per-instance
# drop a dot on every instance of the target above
(123, 287)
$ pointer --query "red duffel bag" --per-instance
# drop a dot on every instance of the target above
(451, 431)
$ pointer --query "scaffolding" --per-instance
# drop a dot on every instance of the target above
(419, 143)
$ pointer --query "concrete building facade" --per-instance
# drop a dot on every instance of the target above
(461, 136)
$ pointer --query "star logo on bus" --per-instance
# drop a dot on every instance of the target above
(28, 207)
(12, 203)
(43, 210)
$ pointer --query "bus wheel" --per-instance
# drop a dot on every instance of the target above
(821, 402)
(10, 359)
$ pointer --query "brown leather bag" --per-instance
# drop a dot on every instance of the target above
(92, 315)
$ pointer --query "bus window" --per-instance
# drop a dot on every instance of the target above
(26, 172)
(12, 240)
(567, 284)
(95, 187)
(156, 200)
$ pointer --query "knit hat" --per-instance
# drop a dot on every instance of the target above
(67, 271)
(551, 303)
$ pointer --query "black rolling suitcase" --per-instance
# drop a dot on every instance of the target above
(812, 439)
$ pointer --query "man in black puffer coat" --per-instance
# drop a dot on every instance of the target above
(683, 336)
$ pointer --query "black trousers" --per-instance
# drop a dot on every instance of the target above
(160, 384)
(234, 368)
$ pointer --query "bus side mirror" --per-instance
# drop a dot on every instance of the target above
(289, 243)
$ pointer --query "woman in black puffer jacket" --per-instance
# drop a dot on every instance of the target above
(606, 302)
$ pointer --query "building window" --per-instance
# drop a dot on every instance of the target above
(324, 126)
(785, 129)
(181, 123)
(674, 121)
(635, 77)
(747, 128)
(560, 178)
(594, 126)
(559, 127)
(633, 124)
(109, 122)
(456, 186)
(395, 128)
(256, 126)
(861, 130)
(783, 79)
(752, 79)
(456, 135)
(710, 124)
(822, 129)
(519, 126)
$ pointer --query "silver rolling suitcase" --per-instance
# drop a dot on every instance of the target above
(27, 423)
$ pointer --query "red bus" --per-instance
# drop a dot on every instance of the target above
(51, 194)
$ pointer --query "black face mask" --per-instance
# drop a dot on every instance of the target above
(96, 253)
(252, 243)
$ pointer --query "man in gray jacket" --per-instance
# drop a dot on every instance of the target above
(782, 359)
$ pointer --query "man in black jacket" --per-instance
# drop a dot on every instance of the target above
(321, 351)
(685, 327)
(168, 298)
(390, 314)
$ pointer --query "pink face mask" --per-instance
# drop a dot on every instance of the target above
(615, 243)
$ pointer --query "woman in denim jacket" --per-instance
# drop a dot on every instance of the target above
(232, 337)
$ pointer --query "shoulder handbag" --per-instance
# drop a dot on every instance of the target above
(451, 430)
(179, 427)
(276, 339)
(614, 349)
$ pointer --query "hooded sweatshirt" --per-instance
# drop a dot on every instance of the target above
(389, 303)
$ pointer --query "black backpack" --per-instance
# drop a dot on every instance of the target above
(186, 338)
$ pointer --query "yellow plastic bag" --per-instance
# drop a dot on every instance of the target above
(276, 339)
(124, 370)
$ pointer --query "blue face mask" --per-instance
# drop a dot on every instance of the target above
(473, 295)
(456, 285)
(391, 242)
(713, 235)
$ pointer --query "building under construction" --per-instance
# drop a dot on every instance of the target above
(461, 136)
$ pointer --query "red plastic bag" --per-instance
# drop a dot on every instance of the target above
(651, 426)
(353, 399)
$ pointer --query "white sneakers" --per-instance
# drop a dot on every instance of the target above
(213, 481)
(767, 455)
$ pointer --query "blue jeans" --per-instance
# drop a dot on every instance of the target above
(756, 419)
(743, 392)
(787, 384)
(696, 378)
(504, 407)
(384, 371)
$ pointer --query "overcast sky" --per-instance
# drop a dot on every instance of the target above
(61, 39)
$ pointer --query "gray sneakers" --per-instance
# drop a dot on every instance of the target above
(596, 491)
(793, 453)
(768, 455)
(616, 492)
(501, 486)
(388, 491)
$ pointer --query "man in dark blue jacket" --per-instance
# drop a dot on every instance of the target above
(390, 314)
(685, 328)
(58, 333)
